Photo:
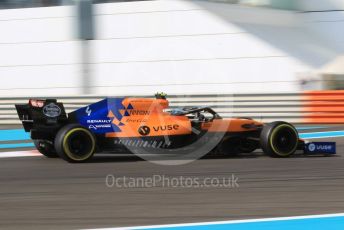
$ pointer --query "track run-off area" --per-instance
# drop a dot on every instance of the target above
(39, 193)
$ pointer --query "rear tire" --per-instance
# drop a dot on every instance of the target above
(46, 148)
(279, 139)
(74, 143)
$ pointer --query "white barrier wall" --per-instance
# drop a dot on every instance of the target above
(148, 46)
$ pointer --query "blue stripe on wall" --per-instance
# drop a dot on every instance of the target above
(322, 134)
(16, 145)
(310, 127)
(13, 135)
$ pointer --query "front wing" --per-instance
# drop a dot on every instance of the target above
(326, 148)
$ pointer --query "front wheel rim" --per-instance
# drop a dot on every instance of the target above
(284, 140)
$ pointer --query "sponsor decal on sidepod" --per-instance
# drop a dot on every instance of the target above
(98, 124)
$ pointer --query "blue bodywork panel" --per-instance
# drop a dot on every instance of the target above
(97, 116)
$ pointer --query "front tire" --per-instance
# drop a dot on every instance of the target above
(74, 143)
(279, 139)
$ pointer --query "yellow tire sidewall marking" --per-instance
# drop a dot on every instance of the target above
(66, 148)
(272, 137)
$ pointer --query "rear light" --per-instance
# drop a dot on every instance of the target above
(36, 103)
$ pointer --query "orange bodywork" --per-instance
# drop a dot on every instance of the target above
(229, 125)
(148, 118)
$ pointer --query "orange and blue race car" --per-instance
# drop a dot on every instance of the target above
(148, 125)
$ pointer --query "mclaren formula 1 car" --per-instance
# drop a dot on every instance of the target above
(118, 124)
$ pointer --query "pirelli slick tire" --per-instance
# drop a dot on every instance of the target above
(75, 143)
(279, 139)
(46, 148)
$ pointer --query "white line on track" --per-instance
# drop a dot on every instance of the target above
(226, 222)
(19, 154)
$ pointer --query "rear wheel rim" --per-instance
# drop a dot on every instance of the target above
(79, 144)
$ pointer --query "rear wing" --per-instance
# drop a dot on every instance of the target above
(42, 118)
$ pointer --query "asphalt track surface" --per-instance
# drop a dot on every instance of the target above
(42, 193)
